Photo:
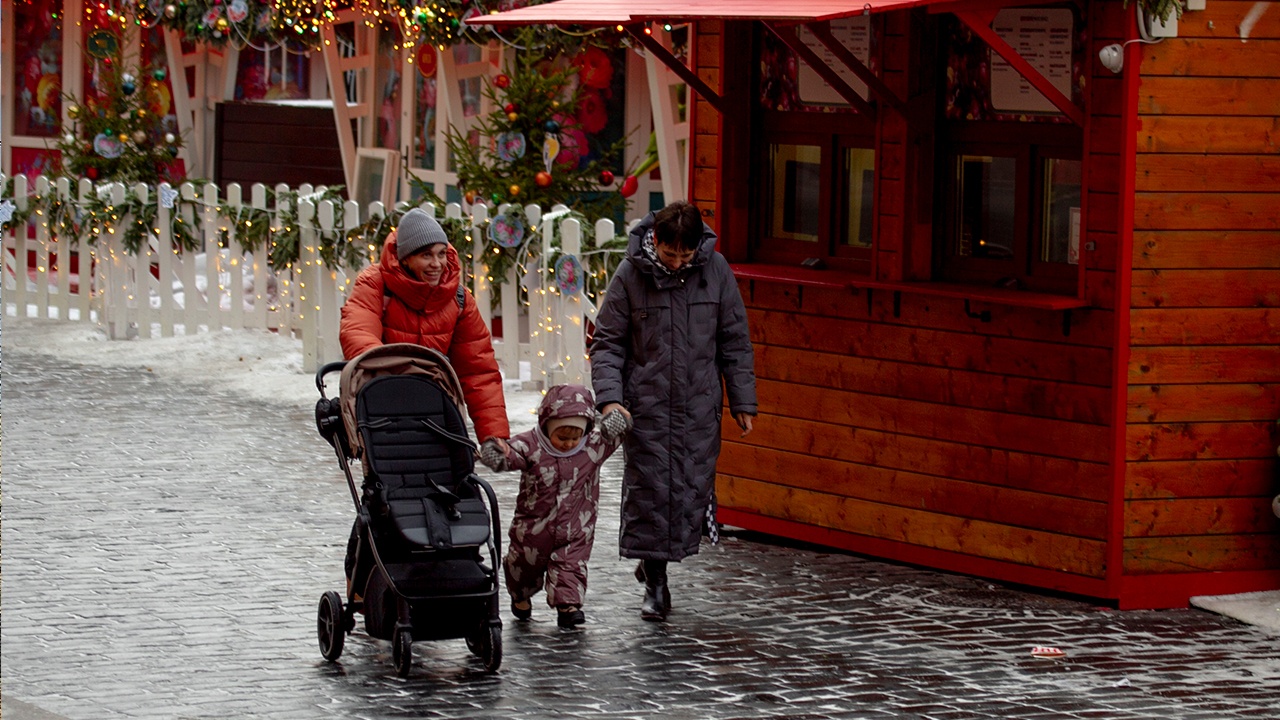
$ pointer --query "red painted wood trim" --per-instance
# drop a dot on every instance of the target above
(1175, 591)
(980, 23)
(788, 35)
(958, 291)
(942, 560)
(677, 67)
(1124, 290)
(822, 31)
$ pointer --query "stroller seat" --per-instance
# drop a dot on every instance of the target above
(417, 447)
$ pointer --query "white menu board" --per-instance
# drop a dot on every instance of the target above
(852, 32)
(1043, 38)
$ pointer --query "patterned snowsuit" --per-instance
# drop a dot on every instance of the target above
(554, 521)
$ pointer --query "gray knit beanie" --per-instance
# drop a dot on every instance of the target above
(417, 230)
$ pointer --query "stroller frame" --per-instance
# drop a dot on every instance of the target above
(440, 528)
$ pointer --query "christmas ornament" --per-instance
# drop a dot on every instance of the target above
(511, 146)
(107, 146)
(108, 132)
(102, 44)
(507, 229)
(550, 149)
(173, 151)
(629, 186)
(512, 117)
(502, 81)
(159, 74)
(238, 10)
(91, 172)
(470, 197)
(6, 211)
(139, 136)
(496, 197)
(427, 60)
(73, 111)
(127, 87)
(68, 138)
(514, 190)
(169, 138)
(606, 177)
(170, 11)
(221, 24)
(543, 179)
(509, 108)
(569, 275)
(552, 126)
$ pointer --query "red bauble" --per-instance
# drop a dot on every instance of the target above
(502, 81)
(91, 172)
(629, 186)
(543, 178)
(606, 177)
(509, 108)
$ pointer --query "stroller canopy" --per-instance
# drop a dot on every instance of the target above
(393, 359)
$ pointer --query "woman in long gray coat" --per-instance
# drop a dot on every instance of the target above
(671, 328)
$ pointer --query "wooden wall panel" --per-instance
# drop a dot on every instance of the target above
(1248, 248)
(1200, 516)
(1204, 403)
(1203, 440)
(1193, 364)
(950, 386)
(1201, 553)
(1008, 356)
(1200, 478)
(1205, 326)
(1207, 173)
(918, 527)
(1206, 288)
(960, 461)
(978, 501)
(1200, 57)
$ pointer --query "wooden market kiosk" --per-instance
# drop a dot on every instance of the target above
(1014, 308)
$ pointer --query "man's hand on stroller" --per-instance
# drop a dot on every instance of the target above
(493, 453)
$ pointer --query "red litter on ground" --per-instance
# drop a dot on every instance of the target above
(1041, 651)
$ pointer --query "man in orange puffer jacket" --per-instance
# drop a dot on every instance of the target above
(412, 296)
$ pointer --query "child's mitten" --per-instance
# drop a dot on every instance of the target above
(615, 424)
(491, 454)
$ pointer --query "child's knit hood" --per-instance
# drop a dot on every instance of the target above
(565, 401)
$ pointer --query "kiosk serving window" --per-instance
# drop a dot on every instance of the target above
(1010, 200)
(816, 192)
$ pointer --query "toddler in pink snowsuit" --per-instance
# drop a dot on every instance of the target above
(554, 521)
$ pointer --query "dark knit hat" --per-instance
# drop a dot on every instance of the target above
(417, 230)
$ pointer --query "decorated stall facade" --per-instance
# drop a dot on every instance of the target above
(1011, 272)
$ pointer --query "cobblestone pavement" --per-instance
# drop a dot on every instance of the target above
(165, 546)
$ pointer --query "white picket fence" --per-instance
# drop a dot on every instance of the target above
(160, 291)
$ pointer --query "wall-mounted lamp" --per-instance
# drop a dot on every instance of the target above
(1112, 57)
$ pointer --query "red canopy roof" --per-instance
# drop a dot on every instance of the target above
(626, 12)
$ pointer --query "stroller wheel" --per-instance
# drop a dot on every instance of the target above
(402, 652)
(330, 626)
(491, 647)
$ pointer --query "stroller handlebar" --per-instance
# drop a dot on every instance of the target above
(325, 369)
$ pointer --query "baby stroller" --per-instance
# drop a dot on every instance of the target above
(425, 516)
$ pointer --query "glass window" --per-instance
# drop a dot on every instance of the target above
(37, 71)
(859, 179)
(986, 203)
(795, 191)
(1061, 195)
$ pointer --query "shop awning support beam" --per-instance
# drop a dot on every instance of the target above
(790, 36)
(979, 21)
(822, 31)
(677, 67)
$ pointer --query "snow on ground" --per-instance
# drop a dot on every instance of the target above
(256, 364)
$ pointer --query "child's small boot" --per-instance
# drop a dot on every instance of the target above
(657, 597)
(522, 609)
(570, 616)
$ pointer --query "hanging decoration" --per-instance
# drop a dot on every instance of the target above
(569, 275)
(114, 132)
(534, 106)
(507, 229)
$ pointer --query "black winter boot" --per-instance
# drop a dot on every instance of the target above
(657, 597)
